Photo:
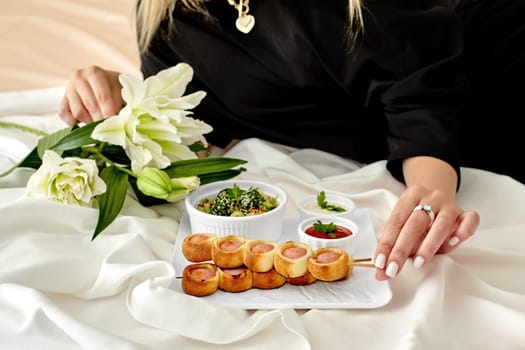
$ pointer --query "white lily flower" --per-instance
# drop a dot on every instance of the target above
(70, 180)
(155, 128)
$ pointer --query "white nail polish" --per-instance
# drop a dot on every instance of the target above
(392, 268)
(380, 261)
(418, 262)
(453, 241)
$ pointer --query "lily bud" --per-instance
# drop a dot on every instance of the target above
(182, 186)
(156, 183)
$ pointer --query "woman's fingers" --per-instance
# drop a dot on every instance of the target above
(65, 113)
(413, 237)
(105, 92)
(403, 234)
(437, 234)
(83, 103)
(72, 109)
(467, 225)
(92, 94)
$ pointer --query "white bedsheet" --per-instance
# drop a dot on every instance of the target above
(60, 290)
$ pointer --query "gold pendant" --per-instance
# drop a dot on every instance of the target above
(245, 23)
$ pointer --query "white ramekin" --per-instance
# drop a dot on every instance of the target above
(266, 226)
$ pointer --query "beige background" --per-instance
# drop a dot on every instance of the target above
(43, 41)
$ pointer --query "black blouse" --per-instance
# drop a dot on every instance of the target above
(400, 91)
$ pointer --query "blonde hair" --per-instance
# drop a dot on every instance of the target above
(149, 15)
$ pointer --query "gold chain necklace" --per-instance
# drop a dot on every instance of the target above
(244, 22)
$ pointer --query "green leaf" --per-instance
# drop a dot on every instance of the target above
(110, 203)
(322, 203)
(329, 228)
(321, 199)
(32, 160)
(47, 142)
(200, 166)
(235, 192)
(198, 147)
(116, 154)
(77, 138)
(220, 175)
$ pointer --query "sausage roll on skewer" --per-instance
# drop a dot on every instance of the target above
(236, 279)
(197, 246)
(259, 254)
(303, 280)
(200, 279)
(329, 264)
(268, 280)
(291, 257)
(228, 252)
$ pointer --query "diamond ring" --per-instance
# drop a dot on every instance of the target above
(427, 208)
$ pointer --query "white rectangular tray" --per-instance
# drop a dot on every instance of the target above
(360, 291)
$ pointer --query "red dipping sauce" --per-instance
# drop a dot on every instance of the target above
(340, 232)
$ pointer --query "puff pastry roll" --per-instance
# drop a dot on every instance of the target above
(291, 257)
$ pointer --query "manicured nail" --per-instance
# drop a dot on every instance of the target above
(418, 262)
(380, 261)
(392, 268)
(454, 240)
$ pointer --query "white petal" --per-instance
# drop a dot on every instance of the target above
(177, 151)
(190, 182)
(158, 131)
(112, 130)
(187, 102)
(132, 89)
(192, 130)
(138, 155)
(159, 159)
(171, 82)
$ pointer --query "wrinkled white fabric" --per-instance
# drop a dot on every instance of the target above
(37, 101)
(61, 290)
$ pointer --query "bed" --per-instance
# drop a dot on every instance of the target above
(61, 290)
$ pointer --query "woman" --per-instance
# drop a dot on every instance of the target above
(394, 80)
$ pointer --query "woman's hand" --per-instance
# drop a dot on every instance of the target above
(92, 93)
(410, 232)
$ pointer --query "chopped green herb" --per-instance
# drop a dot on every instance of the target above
(323, 204)
(329, 229)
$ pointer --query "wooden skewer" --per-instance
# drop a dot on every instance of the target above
(355, 262)
(359, 262)
(363, 265)
(363, 259)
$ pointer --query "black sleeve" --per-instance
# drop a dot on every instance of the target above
(420, 45)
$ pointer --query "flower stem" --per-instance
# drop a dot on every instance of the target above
(23, 128)
(98, 153)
